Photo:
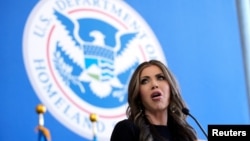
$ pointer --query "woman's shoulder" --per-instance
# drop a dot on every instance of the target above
(125, 130)
(126, 124)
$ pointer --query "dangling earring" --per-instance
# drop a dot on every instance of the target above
(138, 114)
(140, 110)
(172, 108)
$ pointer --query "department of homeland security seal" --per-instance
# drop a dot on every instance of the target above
(79, 56)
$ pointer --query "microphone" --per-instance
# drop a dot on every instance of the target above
(186, 112)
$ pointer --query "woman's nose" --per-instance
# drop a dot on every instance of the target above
(154, 84)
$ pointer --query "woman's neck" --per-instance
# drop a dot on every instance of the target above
(157, 118)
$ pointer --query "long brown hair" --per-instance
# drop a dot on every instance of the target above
(179, 127)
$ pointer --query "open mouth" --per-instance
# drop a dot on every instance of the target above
(156, 95)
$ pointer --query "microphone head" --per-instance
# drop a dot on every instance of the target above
(185, 111)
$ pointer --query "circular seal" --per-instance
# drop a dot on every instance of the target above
(79, 56)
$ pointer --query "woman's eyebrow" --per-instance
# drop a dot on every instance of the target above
(159, 74)
(143, 77)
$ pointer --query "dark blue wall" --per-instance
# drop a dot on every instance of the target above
(201, 42)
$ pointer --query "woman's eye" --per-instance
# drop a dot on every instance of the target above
(161, 77)
(144, 81)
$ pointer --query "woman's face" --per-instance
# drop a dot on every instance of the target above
(154, 89)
